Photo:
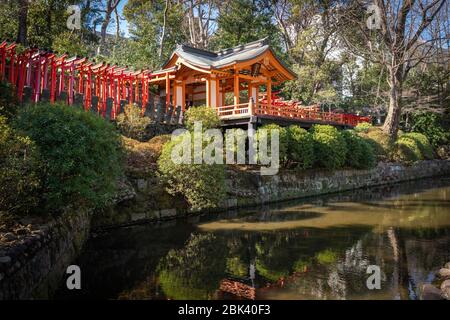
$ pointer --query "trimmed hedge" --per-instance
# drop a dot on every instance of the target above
(283, 140)
(300, 147)
(329, 147)
(132, 124)
(381, 142)
(202, 185)
(363, 127)
(20, 171)
(360, 154)
(207, 115)
(411, 147)
(82, 154)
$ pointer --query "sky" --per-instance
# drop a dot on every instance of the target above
(123, 22)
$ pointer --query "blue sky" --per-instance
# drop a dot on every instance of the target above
(123, 23)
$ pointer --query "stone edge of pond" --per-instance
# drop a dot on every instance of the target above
(32, 262)
(248, 189)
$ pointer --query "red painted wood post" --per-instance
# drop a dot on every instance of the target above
(62, 77)
(71, 83)
(88, 94)
(36, 85)
(80, 88)
(103, 93)
(45, 71)
(130, 97)
(144, 94)
(2, 60)
(115, 100)
(53, 78)
(12, 66)
(21, 76)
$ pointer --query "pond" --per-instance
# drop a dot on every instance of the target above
(318, 248)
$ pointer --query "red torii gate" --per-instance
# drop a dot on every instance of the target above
(41, 70)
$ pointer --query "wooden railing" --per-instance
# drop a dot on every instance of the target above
(233, 111)
(290, 112)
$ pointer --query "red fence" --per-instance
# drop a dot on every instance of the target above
(293, 110)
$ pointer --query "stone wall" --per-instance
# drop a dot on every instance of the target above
(33, 259)
(249, 188)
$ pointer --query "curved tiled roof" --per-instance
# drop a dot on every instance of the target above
(220, 59)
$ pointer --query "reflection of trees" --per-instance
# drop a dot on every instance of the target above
(195, 271)
(409, 238)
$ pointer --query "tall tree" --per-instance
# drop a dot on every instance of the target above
(108, 10)
(309, 29)
(243, 21)
(200, 18)
(23, 25)
(396, 34)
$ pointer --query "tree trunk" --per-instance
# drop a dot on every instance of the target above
(391, 124)
(163, 35)
(117, 24)
(23, 24)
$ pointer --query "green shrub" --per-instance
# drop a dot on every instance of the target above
(202, 185)
(300, 147)
(141, 157)
(360, 154)
(240, 139)
(207, 115)
(363, 127)
(82, 154)
(411, 147)
(8, 100)
(283, 140)
(430, 125)
(329, 147)
(20, 171)
(381, 143)
(132, 124)
(423, 143)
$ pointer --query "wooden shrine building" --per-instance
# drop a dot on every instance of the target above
(228, 80)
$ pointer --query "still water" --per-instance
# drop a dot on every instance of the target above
(317, 248)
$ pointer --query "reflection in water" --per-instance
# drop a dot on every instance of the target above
(314, 249)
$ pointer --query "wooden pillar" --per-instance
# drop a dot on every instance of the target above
(178, 93)
(183, 94)
(208, 92)
(167, 91)
(213, 93)
(174, 96)
(269, 93)
(236, 89)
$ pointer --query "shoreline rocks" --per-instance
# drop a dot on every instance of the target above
(438, 292)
